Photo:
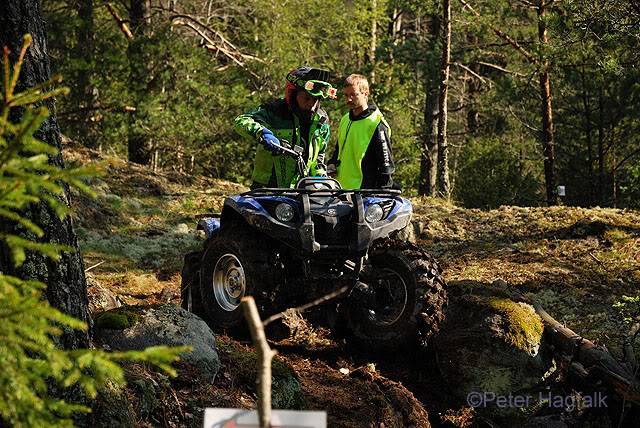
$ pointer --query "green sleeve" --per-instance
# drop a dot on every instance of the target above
(251, 124)
(319, 169)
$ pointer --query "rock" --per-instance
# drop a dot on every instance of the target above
(101, 298)
(286, 391)
(111, 408)
(411, 232)
(182, 229)
(490, 344)
(136, 328)
(147, 396)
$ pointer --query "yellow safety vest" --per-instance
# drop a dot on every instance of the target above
(354, 137)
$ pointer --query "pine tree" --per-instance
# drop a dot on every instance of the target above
(66, 285)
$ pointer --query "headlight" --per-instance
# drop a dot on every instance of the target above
(284, 212)
(374, 213)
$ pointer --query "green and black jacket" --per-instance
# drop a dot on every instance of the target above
(363, 151)
(311, 134)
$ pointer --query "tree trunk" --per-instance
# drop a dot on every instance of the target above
(601, 149)
(588, 128)
(84, 53)
(429, 149)
(547, 112)
(139, 150)
(374, 40)
(65, 280)
(614, 178)
(443, 166)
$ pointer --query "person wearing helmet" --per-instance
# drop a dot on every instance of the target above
(296, 118)
(362, 156)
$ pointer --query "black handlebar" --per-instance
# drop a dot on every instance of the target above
(301, 165)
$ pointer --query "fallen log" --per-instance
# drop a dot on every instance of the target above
(596, 360)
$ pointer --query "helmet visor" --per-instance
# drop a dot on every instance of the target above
(318, 88)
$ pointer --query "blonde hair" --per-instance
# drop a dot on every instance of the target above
(358, 81)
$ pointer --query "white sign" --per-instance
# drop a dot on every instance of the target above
(243, 418)
(561, 191)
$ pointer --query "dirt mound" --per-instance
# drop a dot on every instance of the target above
(360, 398)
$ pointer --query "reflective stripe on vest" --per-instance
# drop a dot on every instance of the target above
(354, 137)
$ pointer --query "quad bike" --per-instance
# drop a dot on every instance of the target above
(288, 246)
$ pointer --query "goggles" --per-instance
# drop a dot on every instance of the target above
(318, 88)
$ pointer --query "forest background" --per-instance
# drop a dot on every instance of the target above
(540, 93)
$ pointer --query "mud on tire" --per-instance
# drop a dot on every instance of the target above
(230, 270)
(414, 278)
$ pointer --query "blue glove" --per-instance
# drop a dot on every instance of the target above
(270, 141)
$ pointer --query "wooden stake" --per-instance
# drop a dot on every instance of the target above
(265, 355)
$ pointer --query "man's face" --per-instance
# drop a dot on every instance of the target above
(306, 102)
(355, 99)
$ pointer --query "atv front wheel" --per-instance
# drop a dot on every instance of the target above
(400, 300)
(229, 272)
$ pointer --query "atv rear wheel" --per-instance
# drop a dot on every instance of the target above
(229, 272)
(401, 299)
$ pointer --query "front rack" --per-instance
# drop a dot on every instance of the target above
(267, 191)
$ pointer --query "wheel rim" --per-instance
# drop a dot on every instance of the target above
(229, 282)
(389, 299)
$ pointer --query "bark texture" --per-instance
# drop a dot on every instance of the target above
(444, 188)
(139, 150)
(429, 145)
(548, 144)
(429, 149)
(65, 280)
(84, 53)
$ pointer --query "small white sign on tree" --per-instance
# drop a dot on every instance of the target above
(243, 418)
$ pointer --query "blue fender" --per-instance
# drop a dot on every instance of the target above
(210, 226)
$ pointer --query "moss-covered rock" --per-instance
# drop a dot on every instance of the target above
(286, 391)
(147, 397)
(145, 326)
(112, 409)
(490, 344)
(116, 319)
(523, 328)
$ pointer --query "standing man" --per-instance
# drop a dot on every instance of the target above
(297, 118)
(362, 156)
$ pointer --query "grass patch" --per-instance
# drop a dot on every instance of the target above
(164, 251)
